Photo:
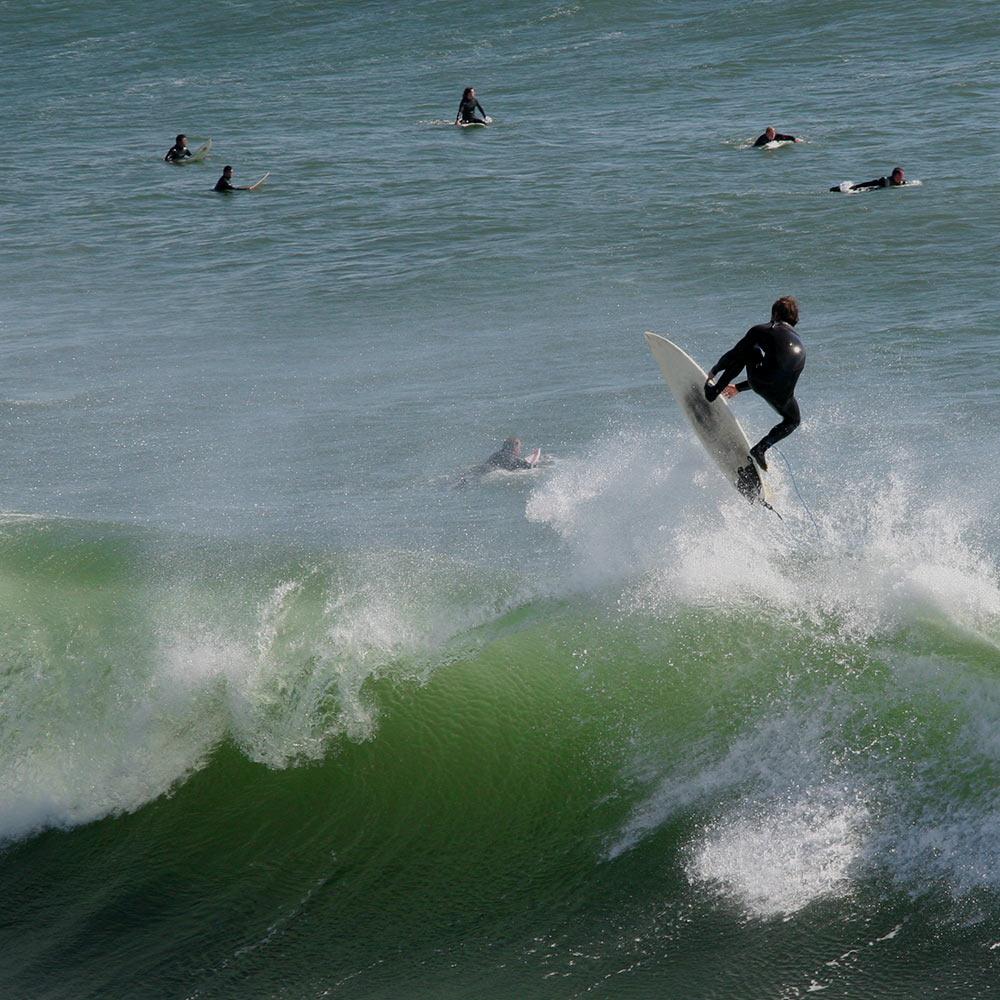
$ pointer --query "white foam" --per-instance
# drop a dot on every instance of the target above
(646, 509)
(318, 645)
(76, 774)
(789, 818)
(565, 11)
(777, 858)
(619, 508)
(800, 807)
(797, 805)
(282, 682)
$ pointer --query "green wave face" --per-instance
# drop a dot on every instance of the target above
(264, 773)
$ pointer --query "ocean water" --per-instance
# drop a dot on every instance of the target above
(293, 704)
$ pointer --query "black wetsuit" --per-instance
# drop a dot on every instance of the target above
(506, 460)
(467, 111)
(879, 182)
(223, 185)
(177, 153)
(774, 357)
(763, 140)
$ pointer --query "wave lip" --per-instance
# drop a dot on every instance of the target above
(125, 666)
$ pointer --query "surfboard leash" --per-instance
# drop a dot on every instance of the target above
(764, 503)
(798, 492)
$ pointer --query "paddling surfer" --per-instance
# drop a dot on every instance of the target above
(774, 357)
(468, 107)
(507, 458)
(769, 135)
(896, 179)
(179, 150)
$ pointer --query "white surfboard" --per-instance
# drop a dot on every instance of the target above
(717, 429)
(844, 187)
(257, 184)
(196, 157)
(201, 152)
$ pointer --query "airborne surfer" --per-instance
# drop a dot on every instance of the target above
(179, 150)
(769, 135)
(774, 357)
(467, 109)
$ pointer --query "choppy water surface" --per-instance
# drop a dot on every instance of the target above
(292, 705)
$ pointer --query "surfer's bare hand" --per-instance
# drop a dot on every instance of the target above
(730, 391)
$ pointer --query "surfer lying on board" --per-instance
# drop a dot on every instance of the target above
(467, 109)
(770, 135)
(507, 458)
(896, 179)
(774, 357)
(225, 182)
(178, 151)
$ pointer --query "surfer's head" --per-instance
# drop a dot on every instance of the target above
(468, 92)
(511, 447)
(785, 310)
(182, 139)
(770, 133)
(897, 176)
(227, 171)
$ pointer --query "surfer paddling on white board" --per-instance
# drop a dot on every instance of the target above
(179, 150)
(896, 179)
(467, 109)
(769, 135)
(225, 182)
(774, 357)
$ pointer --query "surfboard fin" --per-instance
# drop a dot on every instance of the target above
(749, 484)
